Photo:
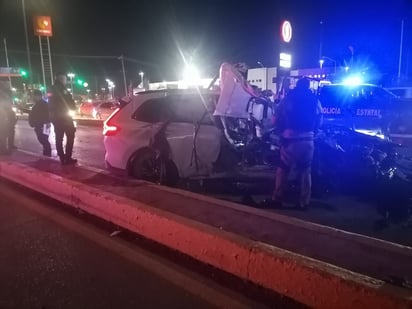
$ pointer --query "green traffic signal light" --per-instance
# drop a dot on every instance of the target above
(23, 73)
(80, 82)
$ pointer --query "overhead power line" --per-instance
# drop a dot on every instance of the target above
(142, 62)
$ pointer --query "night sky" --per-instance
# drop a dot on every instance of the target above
(161, 33)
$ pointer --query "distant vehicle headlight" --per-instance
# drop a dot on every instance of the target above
(72, 113)
(14, 109)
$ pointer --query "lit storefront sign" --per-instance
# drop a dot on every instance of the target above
(43, 26)
(286, 31)
(285, 60)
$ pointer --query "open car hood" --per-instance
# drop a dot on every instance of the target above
(235, 93)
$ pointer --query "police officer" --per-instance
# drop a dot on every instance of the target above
(8, 121)
(297, 119)
(61, 105)
(3, 125)
(39, 120)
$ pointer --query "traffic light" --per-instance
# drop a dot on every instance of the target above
(80, 82)
(23, 73)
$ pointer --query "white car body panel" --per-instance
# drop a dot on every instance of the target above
(133, 135)
(180, 138)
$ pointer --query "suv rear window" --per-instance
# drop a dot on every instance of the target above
(154, 110)
(175, 108)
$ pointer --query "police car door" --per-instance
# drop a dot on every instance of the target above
(333, 99)
(368, 110)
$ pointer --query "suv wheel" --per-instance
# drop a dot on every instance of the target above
(149, 165)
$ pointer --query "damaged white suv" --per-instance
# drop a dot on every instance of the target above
(165, 135)
(155, 124)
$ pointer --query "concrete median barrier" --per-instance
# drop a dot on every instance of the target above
(309, 281)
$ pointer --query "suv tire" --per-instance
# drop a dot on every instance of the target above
(148, 164)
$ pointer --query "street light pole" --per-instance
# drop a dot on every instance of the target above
(111, 87)
(7, 61)
(141, 73)
(328, 58)
(124, 74)
(71, 76)
(27, 42)
(320, 39)
(400, 52)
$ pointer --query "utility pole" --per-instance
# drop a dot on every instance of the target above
(320, 39)
(400, 51)
(7, 60)
(42, 64)
(95, 84)
(124, 75)
(27, 42)
(71, 76)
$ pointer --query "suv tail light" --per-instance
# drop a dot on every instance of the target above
(110, 129)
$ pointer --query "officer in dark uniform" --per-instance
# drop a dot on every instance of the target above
(297, 119)
(3, 124)
(39, 120)
(8, 120)
(61, 106)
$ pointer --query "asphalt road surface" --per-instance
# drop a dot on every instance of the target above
(339, 211)
(51, 258)
(88, 145)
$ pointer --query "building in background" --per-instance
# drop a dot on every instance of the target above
(263, 78)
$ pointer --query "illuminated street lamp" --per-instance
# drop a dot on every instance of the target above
(141, 73)
(111, 86)
(191, 75)
(191, 72)
(71, 76)
(321, 61)
(330, 59)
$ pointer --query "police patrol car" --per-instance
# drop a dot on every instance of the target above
(365, 108)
